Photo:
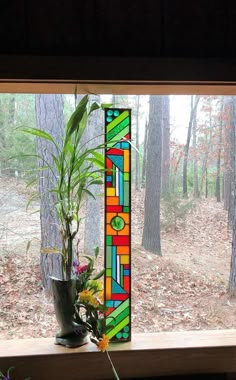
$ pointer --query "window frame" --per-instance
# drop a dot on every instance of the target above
(147, 354)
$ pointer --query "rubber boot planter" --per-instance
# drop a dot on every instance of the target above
(70, 334)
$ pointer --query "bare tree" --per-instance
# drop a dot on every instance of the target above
(208, 142)
(220, 130)
(228, 145)
(232, 159)
(144, 155)
(232, 277)
(194, 103)
(92, 136)
(50, 118)
(151, 232)
(196, 192)
(165, 174)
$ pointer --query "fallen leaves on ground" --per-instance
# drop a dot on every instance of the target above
(184, 289)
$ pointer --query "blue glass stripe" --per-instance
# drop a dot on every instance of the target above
(114, 262)
(117, 303)
(124, 145)
(109, 178)
(110, 303)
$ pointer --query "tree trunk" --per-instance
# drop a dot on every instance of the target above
(232, 277)
(205, 159)
(137, 157)
(144, 155)
(194, 104)
(206, 184)
(228, 146)
(196, 193)
(151, 233)
(92, 236)
(223, 188)
(50, 118)
(165, 174)
(227, 177)
(218, 165)
(232, 159)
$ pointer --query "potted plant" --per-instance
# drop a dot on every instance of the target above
(75, 168)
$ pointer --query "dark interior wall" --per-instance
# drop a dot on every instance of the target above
(155, 28)
(156, 31)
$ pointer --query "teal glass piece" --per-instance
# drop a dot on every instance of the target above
(109, 119)
(116, 113)
(109, 112)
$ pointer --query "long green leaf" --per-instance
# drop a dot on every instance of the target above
(106, 105)
(93, 107)
(96, 162)
(99, 156)
(89, 193)
(31, 182)
(31, 199)
(99, 275)
(96, 182)
(39, 133)
(77, 116)
(82, 126)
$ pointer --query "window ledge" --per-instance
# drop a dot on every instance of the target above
(146, 355)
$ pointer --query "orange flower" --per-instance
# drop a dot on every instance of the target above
(103, 343)
(85, 295)
(101, 296)
(93, 301)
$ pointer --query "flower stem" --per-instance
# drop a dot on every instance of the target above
(112, 366)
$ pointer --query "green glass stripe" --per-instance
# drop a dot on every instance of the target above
(116, 121)
(126, 193)
(119, 327)
(118, 137)
(125, 209)
(121, 275)
(118, 318)
(108, 256)
(118, 310)
(108, 240)
(113, 175)
(126, 176)
(117, 129)
(108, 272)
(121, 316)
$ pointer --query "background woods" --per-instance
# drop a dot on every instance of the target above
(183, 211)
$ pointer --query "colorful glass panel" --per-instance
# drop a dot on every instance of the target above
(118, 223)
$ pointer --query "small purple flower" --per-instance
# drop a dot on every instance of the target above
(75, 263)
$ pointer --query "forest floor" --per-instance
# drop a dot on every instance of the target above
(184, 289)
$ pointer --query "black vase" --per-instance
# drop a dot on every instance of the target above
(70, 334)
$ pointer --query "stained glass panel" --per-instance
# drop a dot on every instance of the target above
(117, 223)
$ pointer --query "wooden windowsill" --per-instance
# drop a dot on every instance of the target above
(146, 355)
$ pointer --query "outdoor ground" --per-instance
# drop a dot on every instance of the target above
(184, 289)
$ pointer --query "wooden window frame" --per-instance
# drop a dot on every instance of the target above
(150, 354)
